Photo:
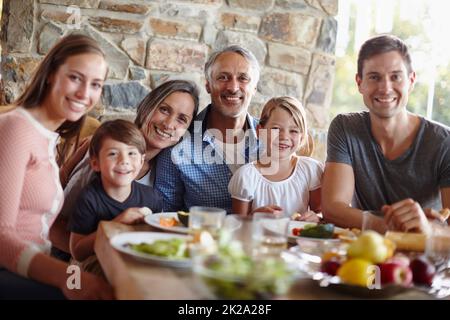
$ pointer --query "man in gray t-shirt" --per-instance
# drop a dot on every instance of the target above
(386, 160)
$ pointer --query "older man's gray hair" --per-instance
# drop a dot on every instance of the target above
(248, 55)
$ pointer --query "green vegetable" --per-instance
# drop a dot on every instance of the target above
(232, 274)
(172, 248)
(322, 231)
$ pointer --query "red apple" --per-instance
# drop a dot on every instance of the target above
(399, 259)
(423, 271)
(397, 273)
(330, 266)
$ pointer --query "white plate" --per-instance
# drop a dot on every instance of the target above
(153, 220)
(120, 241)
(301, 224)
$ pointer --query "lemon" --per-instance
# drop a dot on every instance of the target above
(356, 272)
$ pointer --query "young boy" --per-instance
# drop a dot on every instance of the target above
(116, 153)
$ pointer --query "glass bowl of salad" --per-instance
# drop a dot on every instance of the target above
(231, 273)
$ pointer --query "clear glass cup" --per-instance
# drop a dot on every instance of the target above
(205, 220)
(269, 234)
(437, 247)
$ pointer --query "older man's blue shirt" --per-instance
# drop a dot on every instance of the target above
(194, 171)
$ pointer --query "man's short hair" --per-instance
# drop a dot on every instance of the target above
(119, 130)
(248, 55)
(382, 44)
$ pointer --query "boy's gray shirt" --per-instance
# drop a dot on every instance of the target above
(418, 173)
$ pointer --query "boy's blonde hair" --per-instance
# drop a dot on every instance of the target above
(295, 108)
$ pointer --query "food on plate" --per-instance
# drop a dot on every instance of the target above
(407, 241)
(423, 271)
(321, 231)
(296, 216)
(174, 248)
(183, 217)
(145, 211)
(167, 221)
(371, 246)
(445, 213)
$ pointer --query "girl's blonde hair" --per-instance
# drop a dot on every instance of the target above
(298, 113)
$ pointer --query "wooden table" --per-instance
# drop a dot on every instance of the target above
(136, 280)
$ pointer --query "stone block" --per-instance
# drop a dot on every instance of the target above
(289, 58)
(135, 48)
(176, 56)
(175, 29)
(49, 35)
(79, 3)
(320, 82)
(291, 28)
(124, 7)
(186, 10)
(207, 2)
(18, 69)
(259, 5)
(123, 95)
(239, 22)
(330, 7)
(292, 4)
(56, 15)
(276, 82)
(249, 41)
(116, 25)
(19, 32)
(328, 33)
(117, 60)
(137, 73)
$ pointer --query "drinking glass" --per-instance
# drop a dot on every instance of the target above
(437, 247)
(269, 234)
(205, 220)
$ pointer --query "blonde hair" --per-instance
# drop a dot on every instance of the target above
(296, 110)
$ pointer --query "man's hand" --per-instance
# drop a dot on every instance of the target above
(407, 216)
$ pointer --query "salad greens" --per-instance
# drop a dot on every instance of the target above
(171, 248)
(322, 231)
(232, 274)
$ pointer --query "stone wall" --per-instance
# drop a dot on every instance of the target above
(150, 41)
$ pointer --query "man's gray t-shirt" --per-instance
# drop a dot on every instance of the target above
(418, 173)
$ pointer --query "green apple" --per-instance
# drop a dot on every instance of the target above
(369, 246)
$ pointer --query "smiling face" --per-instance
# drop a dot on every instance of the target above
(75, 87)
(385, 84)
(169, 121)
(283, 134)
(232, 85)
(118, 163)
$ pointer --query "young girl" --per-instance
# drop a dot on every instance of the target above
(280, 180)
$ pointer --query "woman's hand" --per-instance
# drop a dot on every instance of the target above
(309, 216)
(407, 216)
(91, 288)
(269, 209)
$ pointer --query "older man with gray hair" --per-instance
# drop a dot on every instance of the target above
(221, 139)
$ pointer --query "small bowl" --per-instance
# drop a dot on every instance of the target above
(244, 280)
